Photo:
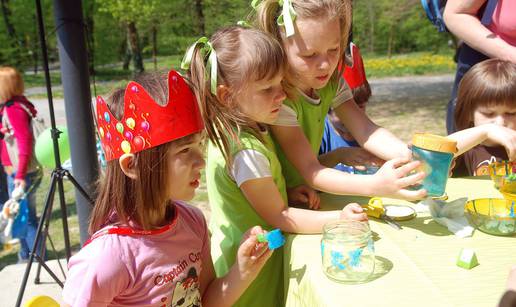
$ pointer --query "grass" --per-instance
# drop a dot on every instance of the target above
(409, 64)
(377, 66)
(106, 78)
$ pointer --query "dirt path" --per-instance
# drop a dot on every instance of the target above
(406, 105)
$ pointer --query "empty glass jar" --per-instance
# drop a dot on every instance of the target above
(347, 251)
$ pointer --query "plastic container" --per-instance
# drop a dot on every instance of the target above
(347, 251)
(436, 154)
(503, 175)
(492, 215)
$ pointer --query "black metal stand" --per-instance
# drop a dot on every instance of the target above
(58, 174)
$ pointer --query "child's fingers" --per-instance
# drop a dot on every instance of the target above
(412, 195)
(354, 207)
(411, 180)
(260, 261)
(406, 168)
(396, 162)
(248, 246)
(359, 217)
(252, 232)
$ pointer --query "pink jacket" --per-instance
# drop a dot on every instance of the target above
(20, 122)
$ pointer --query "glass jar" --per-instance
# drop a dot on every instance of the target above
(347, 251)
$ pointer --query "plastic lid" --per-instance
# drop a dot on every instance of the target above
(434, 142)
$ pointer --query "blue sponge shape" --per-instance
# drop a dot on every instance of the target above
(274, 238)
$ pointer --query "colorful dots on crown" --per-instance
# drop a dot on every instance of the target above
(146, 124)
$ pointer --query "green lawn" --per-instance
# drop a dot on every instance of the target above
(377, 66)
(420, 63)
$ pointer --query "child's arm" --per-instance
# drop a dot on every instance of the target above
(303, 195)
(264, 196)
(352, 156)
(375, 139)
(390, 181)
(469, 138)
(225, 291)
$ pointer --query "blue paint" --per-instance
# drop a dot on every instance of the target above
(354, 257)
(336, 260)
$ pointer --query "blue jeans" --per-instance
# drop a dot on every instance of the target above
(25, 225)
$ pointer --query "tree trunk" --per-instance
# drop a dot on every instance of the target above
(391, 41)
(34, 46)
(15, 42)
(132, 35)
(200, 17)
(90, 23)
(370, 10)
(8, 24)
(155, 46)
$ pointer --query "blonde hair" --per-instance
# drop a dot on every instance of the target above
(142, 200)
(243, 55)
(268, 12)
(491, 82)
(11, 83)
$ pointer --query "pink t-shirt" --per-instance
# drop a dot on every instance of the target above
(142, 270)
(504, 21)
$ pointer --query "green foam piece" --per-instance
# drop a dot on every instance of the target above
(467, 259)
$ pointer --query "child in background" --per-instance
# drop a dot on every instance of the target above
(21, 167)
(487, 97)
(243, 174)
(148, 247)
(313, 42)
(338, 145)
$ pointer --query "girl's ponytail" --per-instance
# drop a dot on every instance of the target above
(210, 106)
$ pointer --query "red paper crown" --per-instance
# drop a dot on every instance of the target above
(146, 124)
(354, 74)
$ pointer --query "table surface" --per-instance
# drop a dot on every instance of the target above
(415, 266)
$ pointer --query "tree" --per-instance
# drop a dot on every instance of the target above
(131, 14)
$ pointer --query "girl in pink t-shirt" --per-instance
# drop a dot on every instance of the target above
(149, 248)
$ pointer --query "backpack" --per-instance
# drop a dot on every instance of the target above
(434, 12)
(37, 125)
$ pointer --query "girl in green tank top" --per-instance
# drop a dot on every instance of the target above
(313, 36)
(244, 176)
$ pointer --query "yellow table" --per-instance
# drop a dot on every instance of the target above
(415, 266)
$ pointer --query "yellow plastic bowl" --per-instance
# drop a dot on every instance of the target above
(500, 173)
(492, 215)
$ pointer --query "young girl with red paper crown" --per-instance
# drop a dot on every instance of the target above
(238, 74)
(313, 34)
(148, 247)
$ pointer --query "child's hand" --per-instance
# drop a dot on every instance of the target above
(393, 178)
(505, 137)
(304, 195)
(511, 280)
(353, 212)
(358, 157)
(252, 255)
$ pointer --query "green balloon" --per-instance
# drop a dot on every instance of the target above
(44, 148)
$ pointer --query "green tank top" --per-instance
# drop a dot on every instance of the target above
(311, 120)
(232, 215)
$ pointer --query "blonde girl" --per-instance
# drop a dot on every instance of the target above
(243, 174)
(313, 34)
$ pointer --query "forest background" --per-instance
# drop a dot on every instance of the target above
(122, 33)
